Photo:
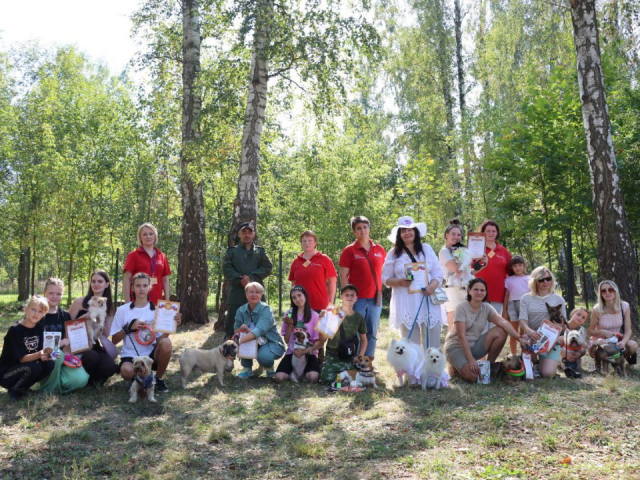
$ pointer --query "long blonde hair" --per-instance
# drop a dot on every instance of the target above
(617, 302)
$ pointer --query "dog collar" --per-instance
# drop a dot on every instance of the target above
(574, 349)
(146, 382)
(366, 373)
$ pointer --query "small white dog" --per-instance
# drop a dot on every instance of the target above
(405, 357)
(218, 360)
(433, 366)
(463, 257)
(144, 382)
(97, 314)
(299, 363)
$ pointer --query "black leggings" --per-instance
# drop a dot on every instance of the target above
(24, 375)
(99, 365)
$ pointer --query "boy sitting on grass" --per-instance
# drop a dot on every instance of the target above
(353, 325)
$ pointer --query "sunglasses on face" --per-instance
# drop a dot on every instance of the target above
(545, 279)
(607, 290)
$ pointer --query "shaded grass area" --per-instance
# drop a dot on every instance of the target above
(257, 429)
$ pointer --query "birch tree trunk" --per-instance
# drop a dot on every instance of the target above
(193, 282)
(245, 206)
(616, 258)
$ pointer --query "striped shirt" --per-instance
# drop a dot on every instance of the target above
(533, 308)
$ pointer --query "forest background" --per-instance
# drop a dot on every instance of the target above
(429, 108)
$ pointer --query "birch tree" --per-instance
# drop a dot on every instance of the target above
(616, 256)
(192, 251)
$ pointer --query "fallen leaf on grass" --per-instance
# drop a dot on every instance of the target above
(566, 461)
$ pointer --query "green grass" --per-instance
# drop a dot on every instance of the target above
(256, 429)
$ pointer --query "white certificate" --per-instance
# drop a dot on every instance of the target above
(476, 244)
(550, 332)
(330, 322)
(78, 335)
(248, 350)
(417, 273)
(165, 318)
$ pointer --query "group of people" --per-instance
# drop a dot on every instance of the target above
(496, 300)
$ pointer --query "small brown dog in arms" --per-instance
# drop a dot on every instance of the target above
(144, 382)
(217, 360)
(364, 375)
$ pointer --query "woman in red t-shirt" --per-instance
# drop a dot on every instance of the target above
(150, 260)
(315, 272)
(497, 268)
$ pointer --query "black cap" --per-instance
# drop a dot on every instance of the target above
(247, 225)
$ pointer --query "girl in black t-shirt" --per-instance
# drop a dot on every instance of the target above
(23, 361)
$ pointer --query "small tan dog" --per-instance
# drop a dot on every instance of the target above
(97, 314)
(364, 374)
(218, 360)
(144, 382)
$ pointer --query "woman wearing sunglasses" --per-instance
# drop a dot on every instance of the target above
(533, 310)
(611, 317)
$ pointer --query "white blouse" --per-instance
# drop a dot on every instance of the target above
(404, 305)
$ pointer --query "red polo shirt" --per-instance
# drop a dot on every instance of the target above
(354, 257)
(495, 272)
(139, 261)
(313, 278)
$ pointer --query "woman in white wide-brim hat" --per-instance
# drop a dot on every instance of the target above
(405, 306)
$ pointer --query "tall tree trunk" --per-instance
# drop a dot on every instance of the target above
(616, 258)
(245, 205)
(23, 273)
(192, 258)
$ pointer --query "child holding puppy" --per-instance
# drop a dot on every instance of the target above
(354, 326)
(300, 316)
(23, 361)
(572, 354)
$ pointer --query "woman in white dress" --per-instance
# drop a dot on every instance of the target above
(405, 306)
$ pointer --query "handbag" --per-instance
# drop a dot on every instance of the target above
(347, 348)
(439, 296)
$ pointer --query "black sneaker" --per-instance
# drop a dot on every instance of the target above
(161, 386)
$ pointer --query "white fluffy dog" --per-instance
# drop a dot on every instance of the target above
(98, 314)
(433, 367)
(463, 257)
(405, 357)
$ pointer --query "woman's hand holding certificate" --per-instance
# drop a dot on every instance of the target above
(167, 319)
(78, 335)
(417, 273)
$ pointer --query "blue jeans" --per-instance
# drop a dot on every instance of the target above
(371, 313)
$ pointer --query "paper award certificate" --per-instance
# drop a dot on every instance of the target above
(78, 335)
(248, 350)
(330, 322)
(417, 273)
(165, 319)
(549, 332)
(476, 244)
(52, 341)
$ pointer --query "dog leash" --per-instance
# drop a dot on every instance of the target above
(416, 319)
